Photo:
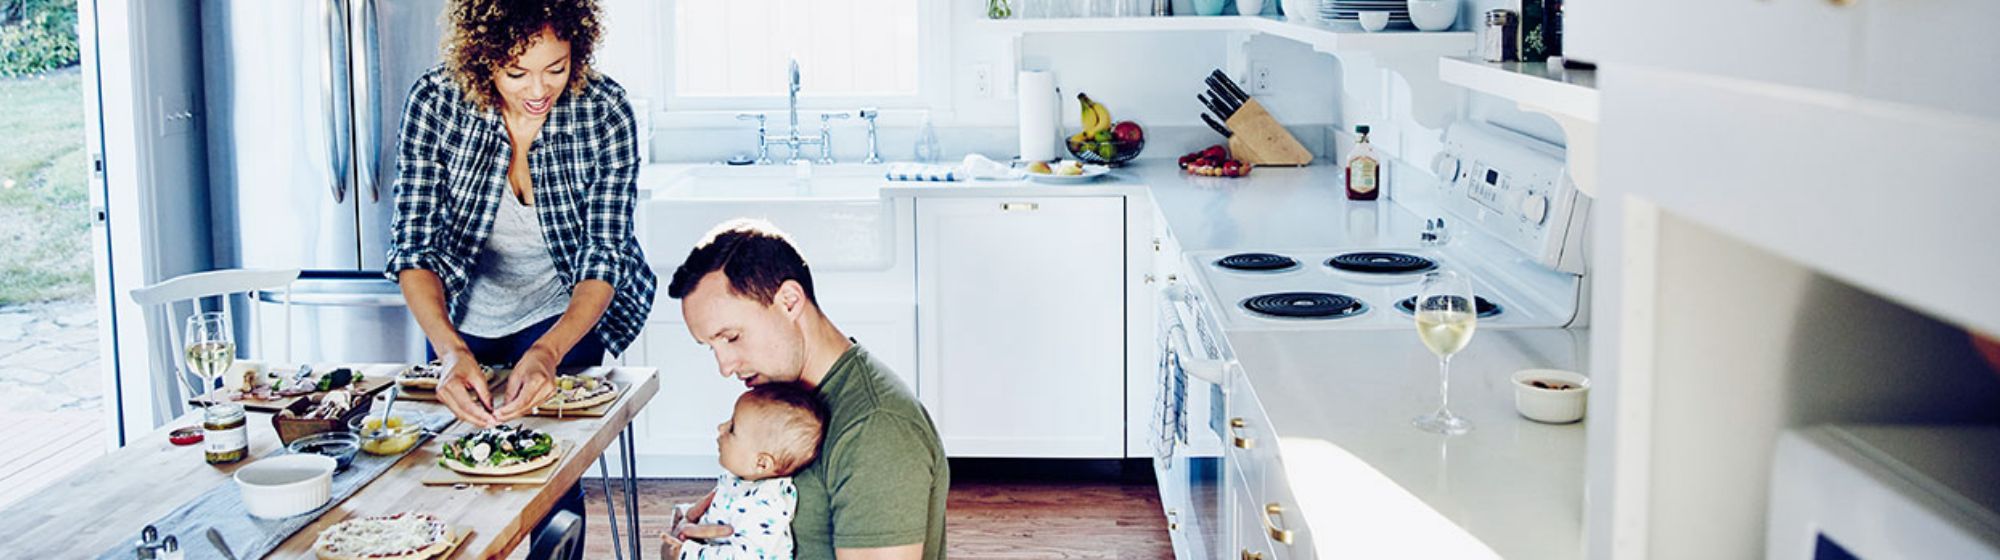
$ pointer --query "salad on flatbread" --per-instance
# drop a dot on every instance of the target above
(576, 392)
(499, 450)
(401, 536)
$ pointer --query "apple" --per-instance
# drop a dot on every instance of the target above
(1127, 131)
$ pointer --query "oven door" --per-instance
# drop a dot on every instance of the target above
(1187, 443)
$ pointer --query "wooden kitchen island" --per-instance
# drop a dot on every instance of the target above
(106, 503)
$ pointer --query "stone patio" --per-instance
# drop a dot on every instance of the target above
(51, 393)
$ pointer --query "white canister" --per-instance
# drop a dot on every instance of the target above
(1037, 92)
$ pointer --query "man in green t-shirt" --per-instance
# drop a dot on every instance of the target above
(878, 488)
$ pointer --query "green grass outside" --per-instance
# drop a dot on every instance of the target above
(44, 221)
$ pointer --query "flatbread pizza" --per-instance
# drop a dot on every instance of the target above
(421, 376)
(577, 392)
(401, 536)
(500, 450)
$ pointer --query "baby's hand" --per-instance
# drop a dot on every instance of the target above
(705, 531)
(670, 547)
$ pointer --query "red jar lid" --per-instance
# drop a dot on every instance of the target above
(185, 436)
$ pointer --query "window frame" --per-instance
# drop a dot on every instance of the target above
(933, 81)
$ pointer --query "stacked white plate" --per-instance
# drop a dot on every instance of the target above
(1348, 10)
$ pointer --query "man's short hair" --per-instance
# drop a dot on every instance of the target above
(798, 423)
(754, 255)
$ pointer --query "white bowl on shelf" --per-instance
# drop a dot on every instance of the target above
(1551, 405)
(1433, 15)
(286, 485)
(1374, 20)
(1300, 10)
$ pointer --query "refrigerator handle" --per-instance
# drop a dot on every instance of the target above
(334, 81)
(368, 130)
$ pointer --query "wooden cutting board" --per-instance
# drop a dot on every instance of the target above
(498, 382)
(440, 475)
(375, 378)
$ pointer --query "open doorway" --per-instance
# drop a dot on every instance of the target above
(52, 397)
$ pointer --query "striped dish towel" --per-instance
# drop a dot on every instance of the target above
(921, 172)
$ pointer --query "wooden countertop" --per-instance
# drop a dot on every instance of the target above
(105, 503)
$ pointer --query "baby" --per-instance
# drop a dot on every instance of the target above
(774, 432)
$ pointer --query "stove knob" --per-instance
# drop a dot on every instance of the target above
(1535, 208)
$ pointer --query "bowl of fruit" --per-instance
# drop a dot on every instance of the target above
(1214, 161)
(1104, 141)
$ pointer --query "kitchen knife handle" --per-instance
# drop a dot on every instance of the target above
(1219, 129)
(1234, 90)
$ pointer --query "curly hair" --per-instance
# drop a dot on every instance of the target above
(486, 35)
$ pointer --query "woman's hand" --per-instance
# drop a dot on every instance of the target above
(463, 389)
(531, 384)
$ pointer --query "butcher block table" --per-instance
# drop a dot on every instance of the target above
(106, 503)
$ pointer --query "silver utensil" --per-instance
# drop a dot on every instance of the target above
(215, 538)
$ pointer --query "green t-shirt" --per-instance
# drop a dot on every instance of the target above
(881, 478)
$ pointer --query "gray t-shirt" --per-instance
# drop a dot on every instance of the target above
(514, 284)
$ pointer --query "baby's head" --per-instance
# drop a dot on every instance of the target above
(775, 431)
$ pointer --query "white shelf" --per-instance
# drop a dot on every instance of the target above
(1533, 84)
(1330, 38)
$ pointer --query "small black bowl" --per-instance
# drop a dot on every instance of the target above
(341, 446)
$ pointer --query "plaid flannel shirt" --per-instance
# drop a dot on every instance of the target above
(451, 170)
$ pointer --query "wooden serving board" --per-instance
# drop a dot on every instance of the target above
(375, 378)
(440, 475)
(499, 381)
(458, 537)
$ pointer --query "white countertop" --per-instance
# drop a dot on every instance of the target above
(1514, 485)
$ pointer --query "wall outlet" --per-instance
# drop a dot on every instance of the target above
(1260, 78)
(982, 79)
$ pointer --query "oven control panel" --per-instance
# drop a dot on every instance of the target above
(1516, 188)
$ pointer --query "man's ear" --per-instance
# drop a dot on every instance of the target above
(791, 298)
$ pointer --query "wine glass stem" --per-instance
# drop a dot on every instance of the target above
(1444, 386)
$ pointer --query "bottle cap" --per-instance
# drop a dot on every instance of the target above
(1361, 128)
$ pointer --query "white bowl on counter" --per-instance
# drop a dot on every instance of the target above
(1541, 403)
(286, 485)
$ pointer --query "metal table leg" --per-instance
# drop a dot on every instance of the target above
(626, 441)
(610, 507)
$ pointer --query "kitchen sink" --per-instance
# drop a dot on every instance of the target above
(835, 215)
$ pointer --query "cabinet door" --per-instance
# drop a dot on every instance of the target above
(1020, 325)
(1808, 43)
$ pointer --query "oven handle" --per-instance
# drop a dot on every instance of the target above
(1213, 371)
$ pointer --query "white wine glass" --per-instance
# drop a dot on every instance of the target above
(1446, 318)
(211, 347)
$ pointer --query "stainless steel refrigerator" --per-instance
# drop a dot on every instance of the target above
(304, 101)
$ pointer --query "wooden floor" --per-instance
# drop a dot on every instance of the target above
(997, 509)
(45, 446)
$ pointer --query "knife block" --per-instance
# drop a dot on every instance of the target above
(1258, 139)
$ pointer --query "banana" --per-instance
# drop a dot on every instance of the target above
(1103, 117)
(1091, 124)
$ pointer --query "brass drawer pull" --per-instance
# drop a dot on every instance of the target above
(1273, 510)
(1240, 441)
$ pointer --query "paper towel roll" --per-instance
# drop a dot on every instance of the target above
(1038, 115)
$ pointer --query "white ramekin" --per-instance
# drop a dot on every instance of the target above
(286, 485)
(1550, 405)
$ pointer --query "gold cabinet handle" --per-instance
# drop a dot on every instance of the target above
(1240, 441)
(1173, 520)
(1248, 555)
(1271, 511)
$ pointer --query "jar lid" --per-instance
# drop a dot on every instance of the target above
(185, 436)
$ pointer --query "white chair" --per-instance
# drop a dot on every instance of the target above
(162, 302)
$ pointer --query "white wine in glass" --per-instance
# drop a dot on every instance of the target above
(211, 348)
(1446, 318)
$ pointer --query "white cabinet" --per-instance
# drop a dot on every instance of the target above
(1021, 318)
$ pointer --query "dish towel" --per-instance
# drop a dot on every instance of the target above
(921, 172)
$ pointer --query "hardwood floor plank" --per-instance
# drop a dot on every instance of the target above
(997, 509)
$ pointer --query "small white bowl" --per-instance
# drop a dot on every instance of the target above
(286, 485)
(1554, 406)
(1433, 15)
(1374, 20)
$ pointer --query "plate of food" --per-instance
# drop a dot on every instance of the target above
(578, 392)
(400, 536)
(1066, 171)
(499, 451)
(275, 389)
(423, 377)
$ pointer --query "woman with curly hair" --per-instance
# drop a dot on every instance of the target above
(515, 186)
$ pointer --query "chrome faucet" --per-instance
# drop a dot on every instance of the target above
(795, 142)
